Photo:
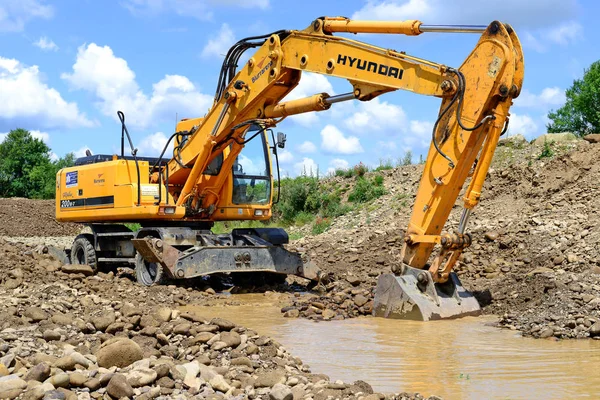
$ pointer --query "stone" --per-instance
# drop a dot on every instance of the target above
(36, 314)
(161, 370)
(293, 313)
(77, 269)
(353, 280)
(182, 329)
(231, 339)
(491, 235)
(218, 382)
(207, 328)
(118, 352)
(223, 324)
(281, 392)
(149, 321)
(592, 138)
(360, 300)
(595, 329)
(328, 314)
(242, 361)
(62, 319)
(166, 382)
(540, 270)
(141, 377)
(163, 314)
(50, 336)
(59, 380)
(38, 391)
(118, 387)
(192, 370)
(77, 379)
(54, 395)
(39, 373)
(11, 386)
(202, 337)
(3, 370)
(269, 379)
(129, 310)
(93, 384)
(104, 320)
(558, 259)
(572, 258)
(546, 332)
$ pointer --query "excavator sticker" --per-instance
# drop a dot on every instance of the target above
(262, 71)
(71, 179)
(371, 66)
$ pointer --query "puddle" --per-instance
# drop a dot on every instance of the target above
(461, 359)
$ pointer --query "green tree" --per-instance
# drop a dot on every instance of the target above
(581, 112)
(26, 169)
(407, 159)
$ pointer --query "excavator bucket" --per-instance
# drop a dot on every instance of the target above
(413, 295)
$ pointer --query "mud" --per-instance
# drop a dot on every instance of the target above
(479, 360)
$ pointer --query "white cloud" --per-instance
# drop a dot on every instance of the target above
(337, 163)
(99, 71)
(307, 167)
(521, 14)
(310, 84)
(377, 115)
(3, 136)
(285, 157)
(334, 142)
(152, 145)
(43, 136)
(522, 125)
(562, 34)
(46, 44)
(199, 9)
(218, 45)
(307, 148)
(548, 97)
(28, 101)
(14, 14)
(54, 156)
(81, 151)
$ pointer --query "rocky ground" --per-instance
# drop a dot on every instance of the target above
(68, 334)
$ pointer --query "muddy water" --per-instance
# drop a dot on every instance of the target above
(462, 359)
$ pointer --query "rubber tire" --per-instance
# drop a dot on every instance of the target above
(146, 277)
(83, 252)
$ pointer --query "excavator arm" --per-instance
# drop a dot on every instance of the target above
(475, 102)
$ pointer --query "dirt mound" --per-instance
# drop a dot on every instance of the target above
(26, 217)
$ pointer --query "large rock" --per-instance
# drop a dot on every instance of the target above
(595, 329)
(269, 379)
(36, 314)
(102, 321)
(141, 377)
(77, 269)
(11, 386)
(118, 352)
(231, 339)
(280, 392)
(223, 324)
(218, 383)
(39, 373)
(118, 387)
(593, 138)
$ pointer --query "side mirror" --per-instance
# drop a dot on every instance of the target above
(281, 138)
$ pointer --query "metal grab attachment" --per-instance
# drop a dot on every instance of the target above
(413, 295)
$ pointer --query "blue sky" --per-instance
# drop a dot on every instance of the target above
(67, 66)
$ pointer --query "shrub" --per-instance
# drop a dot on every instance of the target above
(360, 169)
(366, 190)
(547, 151)
(321, 225)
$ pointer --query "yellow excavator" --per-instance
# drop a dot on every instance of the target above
(207, 177)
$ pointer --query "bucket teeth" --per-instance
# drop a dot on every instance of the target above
(404, 297)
